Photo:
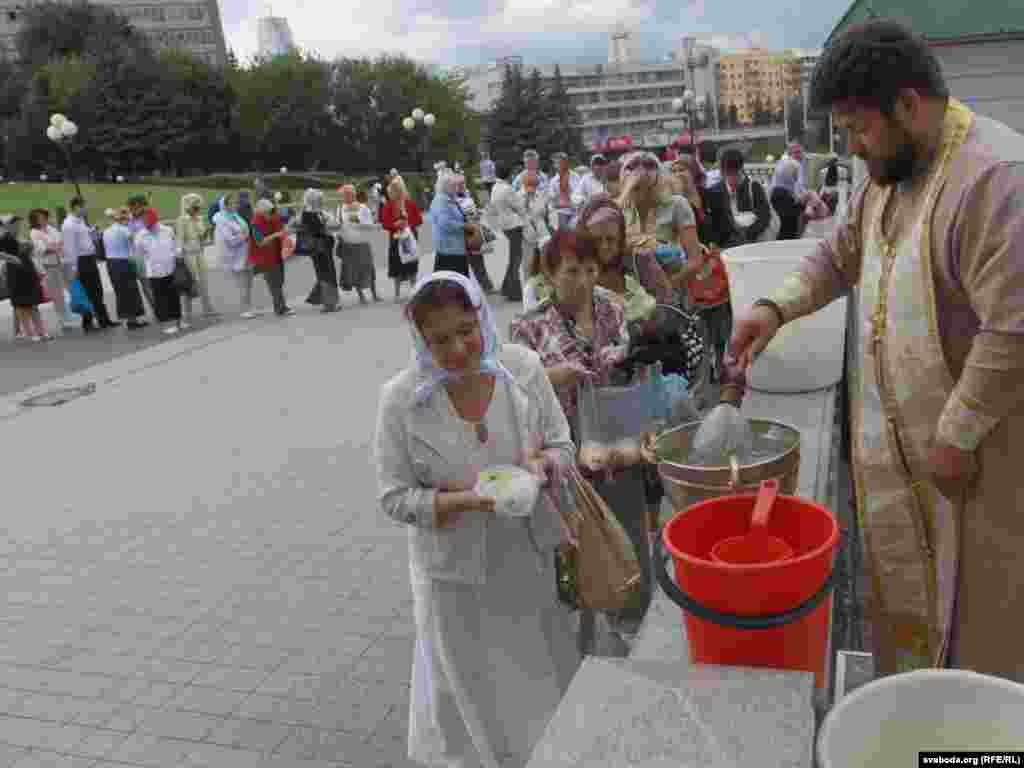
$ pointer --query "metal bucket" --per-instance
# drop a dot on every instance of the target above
(687, 485)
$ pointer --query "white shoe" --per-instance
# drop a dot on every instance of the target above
(248, 315)
(184, 326)
(171, 331)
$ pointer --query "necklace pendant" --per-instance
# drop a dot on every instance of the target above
(481, 432)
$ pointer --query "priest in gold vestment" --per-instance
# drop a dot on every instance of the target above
(934, 241)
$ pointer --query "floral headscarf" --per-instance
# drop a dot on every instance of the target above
(431, 377)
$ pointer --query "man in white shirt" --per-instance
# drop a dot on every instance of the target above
(80, 263)
(593, 182)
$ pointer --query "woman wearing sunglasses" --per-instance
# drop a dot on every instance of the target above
(656, 217)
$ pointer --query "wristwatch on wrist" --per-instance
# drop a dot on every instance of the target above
(774, 307)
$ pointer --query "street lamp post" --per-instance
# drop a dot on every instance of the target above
(690, 105)
(411, 123)
(62, 132)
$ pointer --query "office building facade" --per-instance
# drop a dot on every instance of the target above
(194, 26)
(275, 36)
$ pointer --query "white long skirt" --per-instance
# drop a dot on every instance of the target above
(491, 662)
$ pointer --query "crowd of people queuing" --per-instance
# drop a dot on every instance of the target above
(615, 268)
(603, 253)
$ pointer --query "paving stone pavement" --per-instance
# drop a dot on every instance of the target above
(195, 569)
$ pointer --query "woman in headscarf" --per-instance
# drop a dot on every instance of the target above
(231, 234)
(49, 251)
(494, 650)
(357, 226)
(449, 227)
(398, 215)
(316, 223)
(786, 200)
(117, 242)
(475, 240)
(24, 281)
(268, 234)
(536, 233)
(193, 234)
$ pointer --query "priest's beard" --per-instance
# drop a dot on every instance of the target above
(901, 164)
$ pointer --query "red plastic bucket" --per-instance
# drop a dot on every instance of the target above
(773, 614)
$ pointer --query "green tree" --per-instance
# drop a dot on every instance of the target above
(510, 129)
(369, 99)
(565, 128)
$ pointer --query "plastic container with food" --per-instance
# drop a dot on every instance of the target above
(515, 490)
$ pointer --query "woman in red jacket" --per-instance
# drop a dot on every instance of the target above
(265, 253)
(400, 213)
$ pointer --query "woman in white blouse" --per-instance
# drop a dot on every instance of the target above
(357, 227)
(494, 647)
(48, 248)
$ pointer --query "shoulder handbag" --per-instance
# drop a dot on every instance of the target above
(184, 282)
(600, 571)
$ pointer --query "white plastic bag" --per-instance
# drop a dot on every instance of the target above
(408, 248)
(515, 490)
(724, 432)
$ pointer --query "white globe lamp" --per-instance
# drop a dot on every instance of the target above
(43, 177)
(69, 129)
(408, 123)
(429, 120)
(687, 95)
(417, 114)
(120, 179)
(677, 104)
(284, 169)
(53, 133)
(57, 120)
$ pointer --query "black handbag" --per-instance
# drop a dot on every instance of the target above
(184, 282)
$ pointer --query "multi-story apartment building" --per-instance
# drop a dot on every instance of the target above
(194, 25)
(745, 77)
(614, 100)
(275, 36)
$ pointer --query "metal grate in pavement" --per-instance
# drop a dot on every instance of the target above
(59, 396)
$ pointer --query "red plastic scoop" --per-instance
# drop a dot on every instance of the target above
(757, 546)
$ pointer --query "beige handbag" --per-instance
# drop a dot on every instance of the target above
(602, 569)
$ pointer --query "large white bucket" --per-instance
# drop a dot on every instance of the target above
(888, 721)
(806, 355)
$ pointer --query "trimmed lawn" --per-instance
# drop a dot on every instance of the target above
(21, 197)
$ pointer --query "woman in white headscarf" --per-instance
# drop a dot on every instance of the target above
(231, 234)
(494, 647)
(317, 225)
(193, 234)
(785, 198)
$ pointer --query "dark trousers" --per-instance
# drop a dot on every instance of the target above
(788, 209)
(126, 289)
(326, 289)
(452, 262)
(166, 298)
(511, 288)
(89, 274)
(275, 284)
(476, 263)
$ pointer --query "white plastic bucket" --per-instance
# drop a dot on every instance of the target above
(888, 721)
(805, 355)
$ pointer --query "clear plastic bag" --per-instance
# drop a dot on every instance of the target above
(724, 433)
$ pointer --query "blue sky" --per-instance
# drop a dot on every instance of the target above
(541, 31)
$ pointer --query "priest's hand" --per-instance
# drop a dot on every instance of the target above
(953, 471)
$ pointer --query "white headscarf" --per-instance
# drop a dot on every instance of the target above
(431, 377)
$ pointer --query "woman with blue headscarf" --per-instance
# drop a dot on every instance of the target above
(494, 647)
(231, 234)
